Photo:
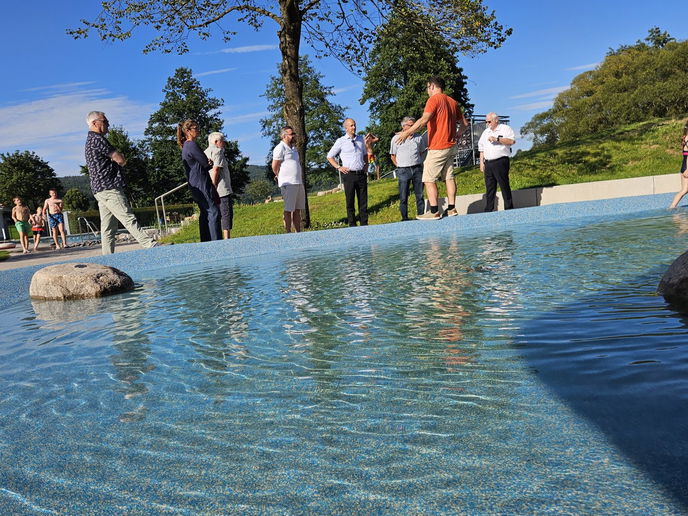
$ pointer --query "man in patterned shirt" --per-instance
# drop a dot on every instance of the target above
(107, 183)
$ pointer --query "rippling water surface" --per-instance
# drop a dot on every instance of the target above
(530, 370)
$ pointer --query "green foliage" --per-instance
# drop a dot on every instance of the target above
(259, 190)
(24, 174)
(633, 84)
(185, 99)
(335, 27)
(4, 255)
(323, 122)
(635, 150)
(74, 199)
(145, 216)
(395, 82)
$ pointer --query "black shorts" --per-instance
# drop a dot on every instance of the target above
(226, 212)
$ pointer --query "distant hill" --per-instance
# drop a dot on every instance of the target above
(256, 171)
(78, 182)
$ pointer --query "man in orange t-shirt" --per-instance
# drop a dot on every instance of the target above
(441, 114)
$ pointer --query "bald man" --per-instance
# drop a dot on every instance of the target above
(495, 149)
(353, 151)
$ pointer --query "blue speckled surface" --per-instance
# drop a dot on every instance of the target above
(137, 263)
(513, 363)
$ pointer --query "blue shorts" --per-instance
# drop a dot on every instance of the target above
(55, 219)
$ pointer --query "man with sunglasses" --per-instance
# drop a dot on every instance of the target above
(107, 184)
(495, 148)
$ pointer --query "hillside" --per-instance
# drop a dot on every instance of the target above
(641, 149)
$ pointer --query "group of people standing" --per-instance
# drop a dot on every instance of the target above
(421, 160)
(26, 222)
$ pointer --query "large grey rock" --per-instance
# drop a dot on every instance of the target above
(674, 283)
(78, 281)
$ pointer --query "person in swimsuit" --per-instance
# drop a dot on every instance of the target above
(53, 208)
(683, 171)
(37, 221)
(20, 216)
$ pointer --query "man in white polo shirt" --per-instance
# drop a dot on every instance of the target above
(495, 148)
(287, 169)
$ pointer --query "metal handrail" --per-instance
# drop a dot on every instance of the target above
(162, 204)
(89, 227)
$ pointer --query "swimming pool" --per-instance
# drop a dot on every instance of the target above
(507, 368)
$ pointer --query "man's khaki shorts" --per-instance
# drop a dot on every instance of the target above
(294, 197)
(439, 165)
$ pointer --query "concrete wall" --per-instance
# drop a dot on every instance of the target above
(595, 191)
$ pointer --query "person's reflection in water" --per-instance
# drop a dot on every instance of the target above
(214, 321)
(129, 335)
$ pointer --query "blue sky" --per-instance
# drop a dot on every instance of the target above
(50, 81)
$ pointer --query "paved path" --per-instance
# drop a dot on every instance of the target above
(45, 255)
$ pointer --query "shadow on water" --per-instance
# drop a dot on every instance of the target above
(619, 358)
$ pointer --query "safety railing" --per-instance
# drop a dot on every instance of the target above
(89, 227)
(161, 198)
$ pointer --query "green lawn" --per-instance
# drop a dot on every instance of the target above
(642, 149)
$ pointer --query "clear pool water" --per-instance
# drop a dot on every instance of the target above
(528, 370)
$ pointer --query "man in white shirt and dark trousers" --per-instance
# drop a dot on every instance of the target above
(353, 152)
(408, 158)
(495, 148)
(287, 169)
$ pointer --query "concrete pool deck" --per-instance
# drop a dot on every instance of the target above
(139, 263)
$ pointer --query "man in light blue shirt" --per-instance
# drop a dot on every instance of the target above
(353, 152)
(408, 157)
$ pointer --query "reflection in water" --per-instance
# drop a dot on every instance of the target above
(128, 333)
(435, 375)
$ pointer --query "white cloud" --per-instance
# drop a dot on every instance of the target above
(533, 106)
(248, 48)
(582, 67)
(214, 72)
(337, 91)
(55, 127)
(237, 119)
(547, 92)
(62, 86)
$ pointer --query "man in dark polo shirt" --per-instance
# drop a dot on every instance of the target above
(107, 184)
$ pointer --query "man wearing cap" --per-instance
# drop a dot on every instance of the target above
(353, 151)
(221, 179)
(495, 148)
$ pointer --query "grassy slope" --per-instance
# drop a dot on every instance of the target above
(642, 149)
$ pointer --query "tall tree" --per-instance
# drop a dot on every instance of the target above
(323, 120)
(395, 82)
(185, 98)
(632, 84)
(338, 27)
(75, 199)
(24, 174)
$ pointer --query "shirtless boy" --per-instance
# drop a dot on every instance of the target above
(20, 216)
(53, 208)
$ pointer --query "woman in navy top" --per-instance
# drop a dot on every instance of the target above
(197, 167)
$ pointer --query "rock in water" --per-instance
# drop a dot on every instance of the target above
(78, 281)
(674, 283)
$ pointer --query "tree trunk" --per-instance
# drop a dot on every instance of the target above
(289, 41)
